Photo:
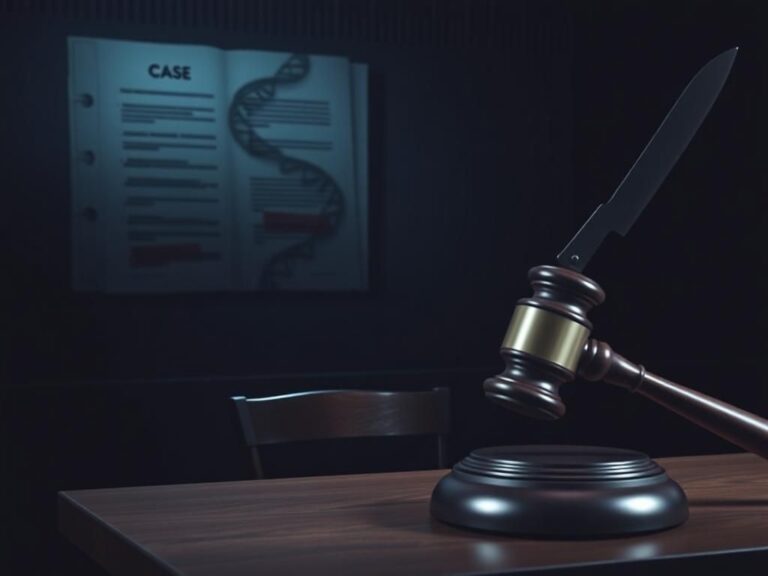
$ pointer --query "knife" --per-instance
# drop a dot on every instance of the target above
(653, 165)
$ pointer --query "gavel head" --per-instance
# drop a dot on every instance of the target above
(544, 342)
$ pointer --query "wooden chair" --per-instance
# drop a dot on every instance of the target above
(330, 414)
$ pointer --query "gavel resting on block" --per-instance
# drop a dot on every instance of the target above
(574, 491)
(588, 491)
(548, 345)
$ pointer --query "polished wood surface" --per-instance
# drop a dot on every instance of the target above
(380, 524)
(328, 414)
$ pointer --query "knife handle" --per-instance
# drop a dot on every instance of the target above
(749, 431)
(587, 240)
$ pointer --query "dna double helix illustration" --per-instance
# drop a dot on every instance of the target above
(327, 198)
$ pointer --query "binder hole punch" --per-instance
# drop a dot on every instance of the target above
(90, 213)
(87, 157)
(86, 100)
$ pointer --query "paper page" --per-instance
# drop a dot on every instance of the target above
(150, 167)
(294, 171)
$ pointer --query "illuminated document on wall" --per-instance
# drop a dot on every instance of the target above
(195, 168)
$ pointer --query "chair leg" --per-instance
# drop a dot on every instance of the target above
(258, 470)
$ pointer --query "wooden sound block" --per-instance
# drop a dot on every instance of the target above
(559, 492)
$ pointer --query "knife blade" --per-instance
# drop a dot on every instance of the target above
(653, 165)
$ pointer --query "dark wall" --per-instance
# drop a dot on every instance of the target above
(451, 222)
(496, 128)
(470, 185)
(686, 286)
(693, 262)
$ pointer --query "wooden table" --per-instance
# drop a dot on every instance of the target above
(380, 524)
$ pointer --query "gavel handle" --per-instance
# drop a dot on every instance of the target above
(600, 362)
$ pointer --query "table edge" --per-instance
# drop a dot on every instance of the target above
(98, 539)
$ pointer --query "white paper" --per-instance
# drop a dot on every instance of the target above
(168, 192)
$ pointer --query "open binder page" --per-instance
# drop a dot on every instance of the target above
(151, 201)
(294, 172)
(197, 169)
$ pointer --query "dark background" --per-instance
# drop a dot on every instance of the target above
(496, 128)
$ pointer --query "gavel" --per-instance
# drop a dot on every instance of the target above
(588, 491)
(548, 344)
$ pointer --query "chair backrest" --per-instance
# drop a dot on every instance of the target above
(326, 414)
